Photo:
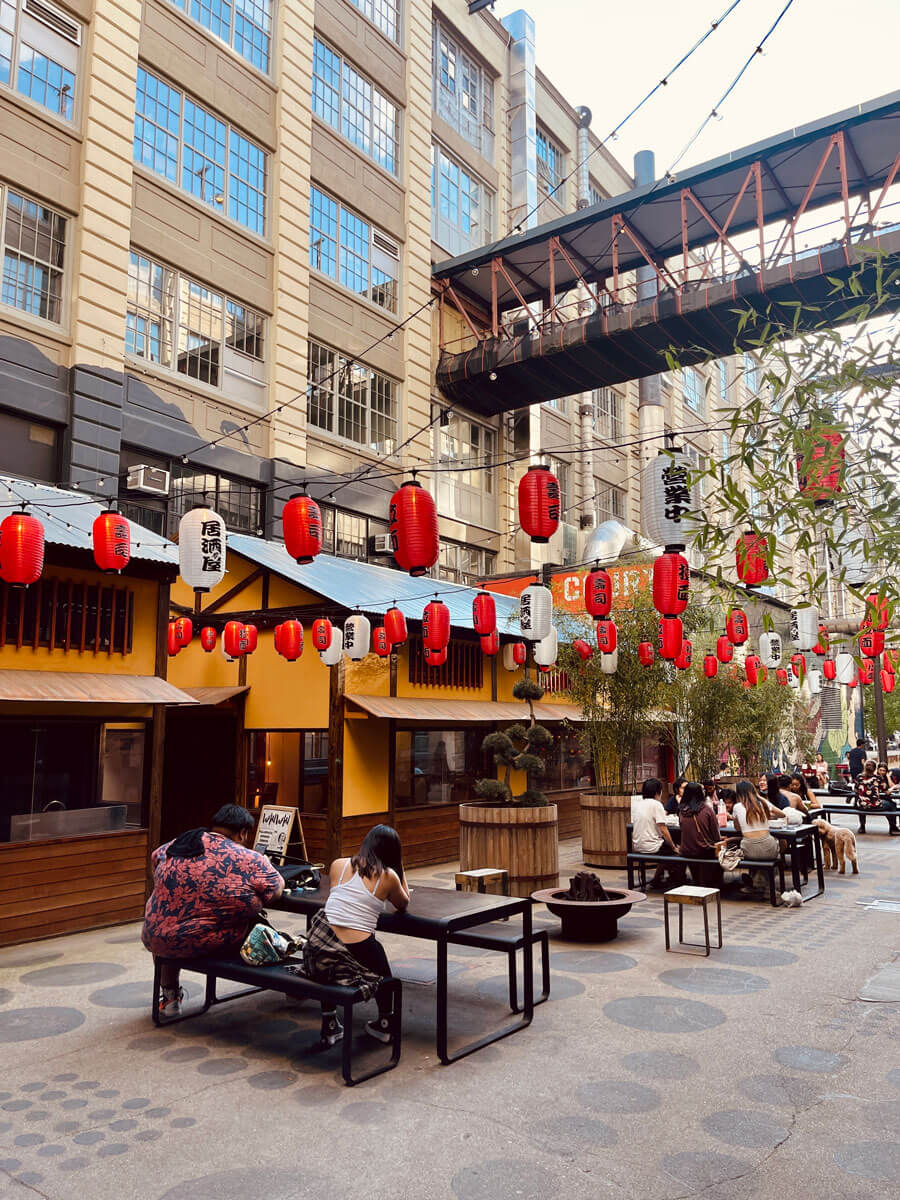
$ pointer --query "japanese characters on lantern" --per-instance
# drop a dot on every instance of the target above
(111, 536)
(301, 521)
(484, 613)
(667, 500)
(535, 612)
(357, 637)
(539, 503)
(201, 549)
(598, 592)
(414, 528)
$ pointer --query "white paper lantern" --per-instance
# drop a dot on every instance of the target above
(844, 668)
(668, 504)
(794, 681)
(357, 637)
(546, 650)
(535, 612)
(805, 627)
(201, 549)
(816, 679)
(770, 649)
(332, 656)
(609, 663)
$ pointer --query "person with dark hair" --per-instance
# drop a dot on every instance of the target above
(342, 942)
(873, 793)
(776, 795)
(649, 831)
(675, 799)
(751, 819)
(699, 834)
(208, 889)
(856, 758)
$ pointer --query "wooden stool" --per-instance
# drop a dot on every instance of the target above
(693, 895)
(482, 876)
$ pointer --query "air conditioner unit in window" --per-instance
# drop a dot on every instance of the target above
(381, 544)
(153, 481)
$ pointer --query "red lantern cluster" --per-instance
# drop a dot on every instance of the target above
(232, 639)
(289, 640)
(395, 626)
(414, 528)
(888, 680)
(380, 642)
(172, 643)
(871, 643)
(798, 665)
(607, 636)
(724, 649)
(781, 676)
(829, 669)
(866, 673)
(890, 660)
(750, 558)
(646, 654)
(821, 646)
(753, 667)
(710, 666)
(670, 635)
(685, 655)
(598, 593)
(582, 649)
(21, 549)
(436, 626)
(539, 503)
(737, 627)
(321, 634)
(301, 520)
(878, 613)
(111, 536)
(824, 477)
(490, 643)
(671, 584)
(208, 638)
(484, 613)
(184, 631)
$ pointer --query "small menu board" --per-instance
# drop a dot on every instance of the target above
(273, 833)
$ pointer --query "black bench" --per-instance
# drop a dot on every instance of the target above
(768, 866)
(279, 978)
(495, 937)
(827, 810)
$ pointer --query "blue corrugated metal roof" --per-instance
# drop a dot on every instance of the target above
(67, 518)
(372, 589)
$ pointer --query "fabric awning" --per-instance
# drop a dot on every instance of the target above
(76, 687)
(213, 695)
(422, 709)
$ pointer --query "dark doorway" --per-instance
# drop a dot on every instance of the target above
(200, 765)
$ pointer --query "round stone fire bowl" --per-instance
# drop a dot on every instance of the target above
(589, 920)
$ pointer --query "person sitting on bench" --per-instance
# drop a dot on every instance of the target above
(208, 889)
(751, 819)
(699, 835)
(873, 793)
(649, 832)
(342, 934)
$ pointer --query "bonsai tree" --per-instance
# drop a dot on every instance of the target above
(518, 748)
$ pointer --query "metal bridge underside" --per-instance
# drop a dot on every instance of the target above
(720, 240)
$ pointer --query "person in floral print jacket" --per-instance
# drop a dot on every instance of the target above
(208, 889)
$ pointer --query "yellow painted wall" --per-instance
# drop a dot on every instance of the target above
(286, 695)
(371, 677)
(141, 660)
(238, 569)
(193, 667)
(366, 764)
(283, 594)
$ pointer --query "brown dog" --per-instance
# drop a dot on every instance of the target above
(840, 845)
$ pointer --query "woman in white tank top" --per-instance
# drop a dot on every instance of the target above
(360, 888)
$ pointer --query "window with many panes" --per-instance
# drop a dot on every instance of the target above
(245, 25)
(723, 378)
(239, 502)
(608, 413)
(464, 564)
(351, 535)
(551, 164)
(463, 91)
(751, 373)
(34, 247)
(595, 195)
(193, 148)
(39, 51)
(385, 14)
(561, 470)
(462, 207)
(609, 502)
(353, 252)
(175, 322)
(349, 103)
(467, 487)
(698, 463)
(692, 389)
(351, 400)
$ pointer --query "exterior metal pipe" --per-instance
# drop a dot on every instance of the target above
(586, 403)
(583, 150)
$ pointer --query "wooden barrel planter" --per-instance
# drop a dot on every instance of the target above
(523, 841)
(603, 835)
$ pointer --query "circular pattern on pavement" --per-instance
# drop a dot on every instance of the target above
(503, 1177)
(744, 1127)
(268, 1081)
(661, 1064)
(702, 1170)
(497, 988)
(714, 981)
(894, 1076)
(780, 1090)
(243, 1182)
(128, 995)
(365, 1112)
(5, 996)
(28, 957)
(31, 1024)
(221, 1066)
(809, 1058)
(871, 1160)
(591, 962)
(618, 1096)
(73, 974)
(755, 956)
(664, 1014)
(574, 1128)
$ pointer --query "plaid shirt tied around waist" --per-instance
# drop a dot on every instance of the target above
(327, 960)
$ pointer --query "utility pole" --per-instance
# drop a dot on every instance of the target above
(880, 727)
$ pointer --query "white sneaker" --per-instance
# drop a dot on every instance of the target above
(380, 1029)
(170, 1002)
(332, 1030)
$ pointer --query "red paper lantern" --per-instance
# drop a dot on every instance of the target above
(233, 640)
(321, 634)
(829, 669)
(290, 640)
(752, 666)
(484, 613)
(866, 672)
(710, 666)
(519, 653)
(671, 584)
(21, 549)
(781, 676)
(887, 681)
(184, 631)
(582, 649)
(598, 593)
(111, 535)
(436, 625)
(646, 654)
(825, 466)
(301, 521)
(763, 673)
(798, 665)
(539, 503)
(724, 649)
(607, 636)
(871, 643)
(737, 627)
(414, 529)
(821, 646)
(172, 643)
(395, 626)
(380, 642)
(853, 682)
(750, 558)
(490, 643)
(890, 660)
(685, 655)
(250, 638)
(669, 637)
(208, 638)
(878, 612)
(435, 658)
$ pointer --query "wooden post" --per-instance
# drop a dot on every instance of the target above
(392, 678)
(154, 801)
(878, 698)
(494, 677)
(334, 818)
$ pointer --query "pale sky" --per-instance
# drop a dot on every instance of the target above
(826, 55)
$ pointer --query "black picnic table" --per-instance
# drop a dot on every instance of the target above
(435, 914)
